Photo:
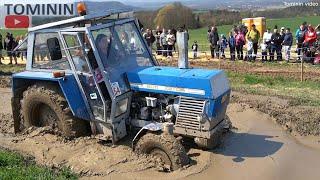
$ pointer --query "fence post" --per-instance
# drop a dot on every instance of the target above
(302, 70)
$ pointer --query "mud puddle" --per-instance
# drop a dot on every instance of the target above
(257, 148)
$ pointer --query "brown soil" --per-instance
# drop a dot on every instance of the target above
(287, 71)
(5, 81)
(304, 120)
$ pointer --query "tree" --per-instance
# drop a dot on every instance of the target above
(175, 15)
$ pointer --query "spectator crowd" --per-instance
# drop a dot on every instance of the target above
(243, 44)
(272, 44)
(8, 44)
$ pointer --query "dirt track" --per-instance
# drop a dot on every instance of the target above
(257, 148)
(291, 70)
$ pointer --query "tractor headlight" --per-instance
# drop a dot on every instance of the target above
(121, 107)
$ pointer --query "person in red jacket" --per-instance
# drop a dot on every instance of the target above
(310, 37)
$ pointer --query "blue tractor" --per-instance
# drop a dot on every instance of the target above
(95, 74)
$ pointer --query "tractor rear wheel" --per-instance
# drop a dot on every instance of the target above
(44, 105)
(165, 147)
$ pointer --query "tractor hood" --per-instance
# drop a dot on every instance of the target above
(200, 83)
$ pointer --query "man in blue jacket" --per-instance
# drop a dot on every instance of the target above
(287, 43)
(300, 34)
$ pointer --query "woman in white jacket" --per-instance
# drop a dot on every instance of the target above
(171, 40)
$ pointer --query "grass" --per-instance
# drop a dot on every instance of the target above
(14, 166)
(10, 69)
(302, 93)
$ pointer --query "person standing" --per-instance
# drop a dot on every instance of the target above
(157, 36)
(300, 35)
(213, 39)
(250, 49)
(171, 41)
(9, 45)
(240, 42)
(223, 45)
(287, 43)
(267, 40)
(149, 38)
(21, 38)
(264, 53)
(254, 34)
(275, 44)
(310, 37)
(164, 43)
(232, 46)
(1, 48)
(195, 49)
(282, 34)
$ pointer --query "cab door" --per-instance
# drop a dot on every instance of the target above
(73, 43)
(111, 112)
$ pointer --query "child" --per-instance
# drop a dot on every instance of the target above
(264, 53)
(195, 49)
(250, 49)
(223, 45)
(232, 46)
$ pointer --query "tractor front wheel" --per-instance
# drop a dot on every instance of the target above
(44, 105)
(165, 147)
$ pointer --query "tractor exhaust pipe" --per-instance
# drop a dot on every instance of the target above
(182, 41)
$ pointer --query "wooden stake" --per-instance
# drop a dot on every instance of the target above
(302, 70)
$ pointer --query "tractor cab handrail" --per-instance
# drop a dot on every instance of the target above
(79, 19)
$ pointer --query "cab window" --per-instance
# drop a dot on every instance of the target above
(41, 56)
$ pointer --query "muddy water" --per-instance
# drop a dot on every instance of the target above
(257, 148)
(260, 149)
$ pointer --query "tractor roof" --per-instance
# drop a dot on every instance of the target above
(90, 17)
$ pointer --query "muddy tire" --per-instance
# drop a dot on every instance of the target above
(44, 105)
(166, 147)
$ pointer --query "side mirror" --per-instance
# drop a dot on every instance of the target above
(54, 48)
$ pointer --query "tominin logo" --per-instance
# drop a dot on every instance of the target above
(40, 9)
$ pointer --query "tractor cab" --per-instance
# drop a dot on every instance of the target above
(98, 50)
(100, 56)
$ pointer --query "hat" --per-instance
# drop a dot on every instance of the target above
(283, 28)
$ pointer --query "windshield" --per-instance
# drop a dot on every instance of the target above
(121, 49)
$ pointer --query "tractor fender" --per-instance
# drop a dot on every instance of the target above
(68, 86)
(153, 127)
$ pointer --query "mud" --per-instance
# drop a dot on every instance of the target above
(5, 81)
(304, 120)
(292, 71)
(256, 148)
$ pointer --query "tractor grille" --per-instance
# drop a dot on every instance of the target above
(189, 109)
